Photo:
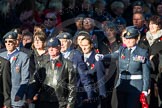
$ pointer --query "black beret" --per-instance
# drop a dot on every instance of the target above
(64, 35)
(10, 35)
(131, 32)
(53, 42)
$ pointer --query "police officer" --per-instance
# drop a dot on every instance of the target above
(19, 69)
(134, 70)
(5, 83)
(58, 79)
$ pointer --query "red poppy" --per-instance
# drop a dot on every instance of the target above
(122, 56)
(14, 58)
(161, 38)
(97, 51)
(58, 64)
(92, 66)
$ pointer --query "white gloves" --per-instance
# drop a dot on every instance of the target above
(99, 57)
(145, 92)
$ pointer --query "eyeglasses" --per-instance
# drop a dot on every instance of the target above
(9, 41)
(51, 19)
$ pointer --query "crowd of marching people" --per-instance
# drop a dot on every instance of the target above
(81, 54)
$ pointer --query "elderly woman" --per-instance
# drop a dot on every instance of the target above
(133, 69)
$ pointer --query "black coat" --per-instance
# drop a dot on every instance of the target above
(5, 82)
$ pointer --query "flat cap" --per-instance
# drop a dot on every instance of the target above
(131, 32)
(53, 42)
(138, 3)
(10, 35)
(64, 35)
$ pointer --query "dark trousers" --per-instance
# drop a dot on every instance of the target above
(47, 105)
(128, 99)
(1, 100)
(153, 98)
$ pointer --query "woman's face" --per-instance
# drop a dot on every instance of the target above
(79, 40)
(110, 33)
(38, 44)
(130, 42)
(153, 28)
(86, 46)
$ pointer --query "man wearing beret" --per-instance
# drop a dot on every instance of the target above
(58, 79)
(83, 80)
(19, 69)
(5, 83)
(134, 70)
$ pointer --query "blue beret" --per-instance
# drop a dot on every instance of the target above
(10, 35)
(131, 32)
(53, 42)
(64, 35)
(120, 21)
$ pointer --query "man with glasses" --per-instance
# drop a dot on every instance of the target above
(19, 69)
(50, 24)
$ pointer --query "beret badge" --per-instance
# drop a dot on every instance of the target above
(128, 33)
(51, 40)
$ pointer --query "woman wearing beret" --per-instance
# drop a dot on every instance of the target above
(133, 69)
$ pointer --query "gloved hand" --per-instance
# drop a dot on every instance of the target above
(99, 57)
(145, 93)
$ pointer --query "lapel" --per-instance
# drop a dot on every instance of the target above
(136, 51)
(59, 67)
(14, 60)
(91, 59)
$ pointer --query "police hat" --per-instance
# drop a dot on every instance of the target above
(131, 32)
(10, 35)
(64, 35)
(53, 42)
(138, 3)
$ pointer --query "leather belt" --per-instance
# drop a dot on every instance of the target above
(130, 77)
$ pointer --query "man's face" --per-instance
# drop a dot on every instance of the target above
(79, 24)
(54, 51)
(88, 24)
(86, 46)
(137, 9)
(50, 20)
(138, 21)
(26, 39)
(10, 44)
(65, 44)
(159, 9)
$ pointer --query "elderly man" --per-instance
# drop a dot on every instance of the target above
(58, 79)
(85, 90)
(5, 83)
(19, 69)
